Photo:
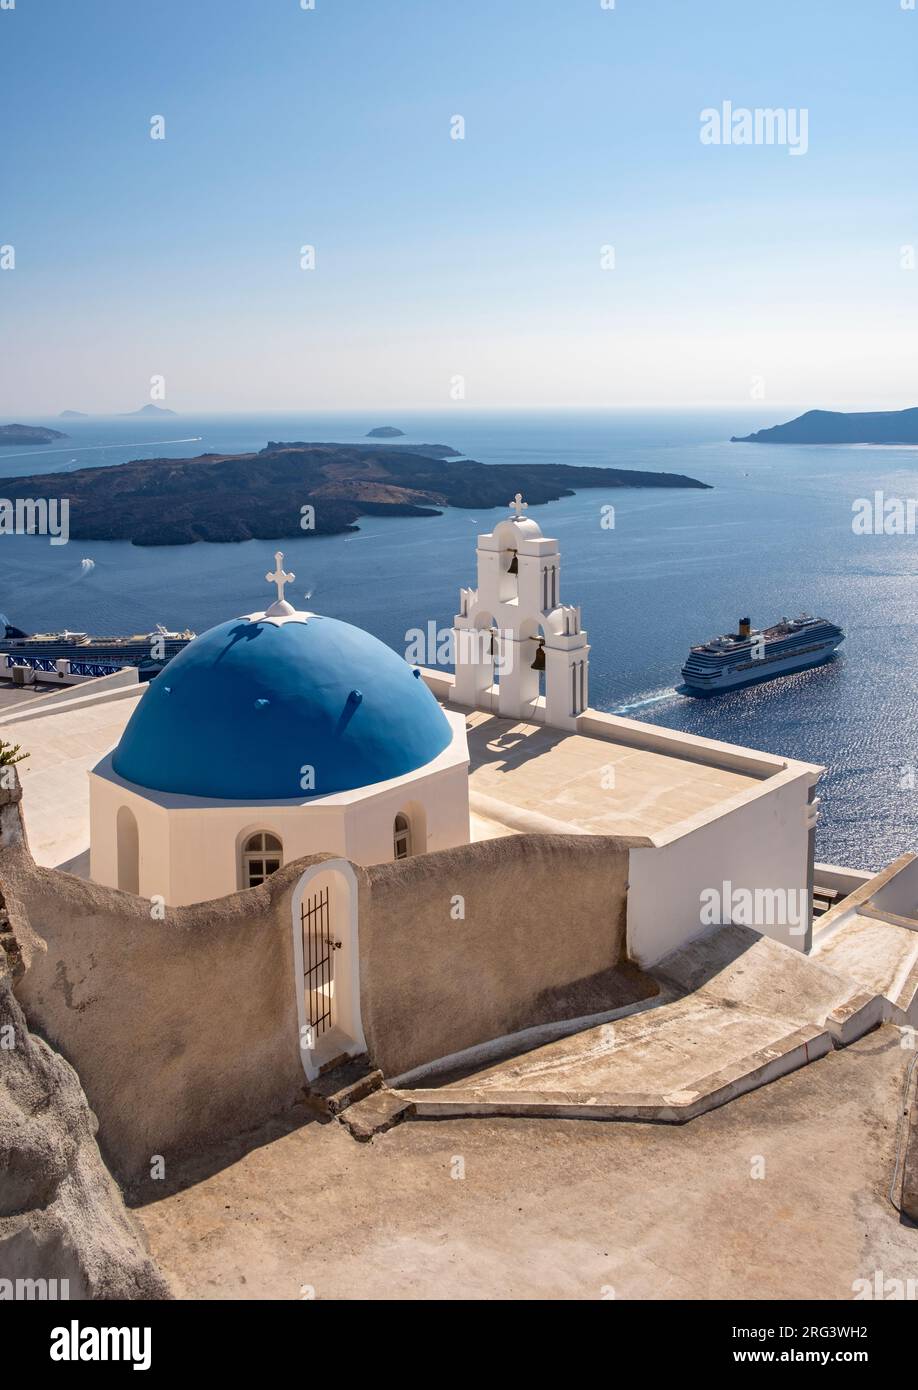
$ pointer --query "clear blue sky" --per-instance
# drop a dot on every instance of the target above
(435, 257)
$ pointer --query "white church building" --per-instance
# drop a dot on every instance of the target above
(273, 736)
(282, 733)
(293, 847)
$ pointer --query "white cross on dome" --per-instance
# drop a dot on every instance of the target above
(281, 610)
(280, 577)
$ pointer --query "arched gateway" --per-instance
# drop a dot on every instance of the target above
(327, 965)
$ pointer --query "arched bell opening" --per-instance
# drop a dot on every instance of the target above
(532, 662)
(480, 653)
(538, 663)
(508, 588)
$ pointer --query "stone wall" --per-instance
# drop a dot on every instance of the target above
(183, 1028)
(542, 931)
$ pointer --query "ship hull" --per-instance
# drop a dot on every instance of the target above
(97, 652)
(735, 679)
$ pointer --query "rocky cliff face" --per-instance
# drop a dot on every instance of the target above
(61, 1213)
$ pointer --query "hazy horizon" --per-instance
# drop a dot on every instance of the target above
(388, 412)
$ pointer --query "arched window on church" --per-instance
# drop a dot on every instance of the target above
(262, 855)
(402, 837)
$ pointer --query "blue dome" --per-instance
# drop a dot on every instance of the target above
(246, 706)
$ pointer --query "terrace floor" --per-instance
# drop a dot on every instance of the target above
(62, 746)
(734, 1010)
(780, 1195)
(592, 784)
(881, 955)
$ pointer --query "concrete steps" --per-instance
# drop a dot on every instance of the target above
(345, 1083)
(824, 899)
(757, 1069)
(735, 1011)
(352, 1091)
(376, 1114)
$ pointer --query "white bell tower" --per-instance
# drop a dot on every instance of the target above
(513, 628)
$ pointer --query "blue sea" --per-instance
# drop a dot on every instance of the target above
(773, 537)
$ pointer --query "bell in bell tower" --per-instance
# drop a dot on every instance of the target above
(520, 652)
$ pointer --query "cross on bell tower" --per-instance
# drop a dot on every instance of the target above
(519, 506)
(281, 578)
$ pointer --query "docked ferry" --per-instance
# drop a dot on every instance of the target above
(753, 654)
(148, 651)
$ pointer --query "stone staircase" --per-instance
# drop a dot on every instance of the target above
(353, 1091)
(824, 899)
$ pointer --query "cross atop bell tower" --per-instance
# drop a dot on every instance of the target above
(518, 505)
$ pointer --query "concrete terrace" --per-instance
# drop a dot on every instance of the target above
(871, 936)
(881, 955)
(629, 779)
(64, 737)
(553, 1209)
(735, 1010)
(584, 783)
(16, 698)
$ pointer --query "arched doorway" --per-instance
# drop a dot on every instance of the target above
(128, 838)
(327, 965)
(478, 657)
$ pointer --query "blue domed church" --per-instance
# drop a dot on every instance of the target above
(272, 736)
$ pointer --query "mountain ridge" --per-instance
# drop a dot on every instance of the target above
(238, 497)
(841, 427)
(29, 434)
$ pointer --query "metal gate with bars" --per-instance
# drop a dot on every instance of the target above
(318, 962)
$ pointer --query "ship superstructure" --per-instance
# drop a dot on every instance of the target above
(751, 654)
(148, 651)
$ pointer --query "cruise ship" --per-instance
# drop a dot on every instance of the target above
(751, 654)
(148, 651)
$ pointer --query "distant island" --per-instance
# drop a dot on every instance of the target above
(29, 434)
(240, 497)
(147, 410)
(385, 432)
(431, 451)
(836, 427)
(73, 415)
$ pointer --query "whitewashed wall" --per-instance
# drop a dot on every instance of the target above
(190, 849)
(761, 842)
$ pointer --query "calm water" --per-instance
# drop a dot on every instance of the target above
(773, 537)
